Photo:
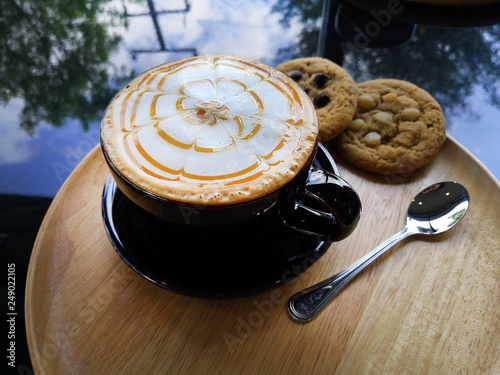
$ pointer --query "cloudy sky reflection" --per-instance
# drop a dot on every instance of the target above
(244, 28)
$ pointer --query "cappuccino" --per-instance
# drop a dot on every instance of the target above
(210, 130)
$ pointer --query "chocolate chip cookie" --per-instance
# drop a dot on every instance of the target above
(331, 89)
(398, 128)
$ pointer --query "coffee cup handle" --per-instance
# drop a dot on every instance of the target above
(325, 205)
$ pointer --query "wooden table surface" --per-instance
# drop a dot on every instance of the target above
(429, 306)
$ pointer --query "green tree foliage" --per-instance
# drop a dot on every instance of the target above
(54, 56)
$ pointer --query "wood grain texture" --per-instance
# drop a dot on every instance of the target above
(429, 306)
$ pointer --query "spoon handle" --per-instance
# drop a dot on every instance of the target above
(306, 304)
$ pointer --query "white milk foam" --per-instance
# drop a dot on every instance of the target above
(210, 130)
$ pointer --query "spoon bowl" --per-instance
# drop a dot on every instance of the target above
(434, 210)
(437, 208)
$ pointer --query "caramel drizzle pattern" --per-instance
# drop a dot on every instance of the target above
(188, 115)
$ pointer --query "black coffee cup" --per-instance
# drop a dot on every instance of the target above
(218, 140)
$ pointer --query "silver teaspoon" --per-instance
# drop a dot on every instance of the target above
(434, 210)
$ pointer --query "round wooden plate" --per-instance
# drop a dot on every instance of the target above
(429, 306)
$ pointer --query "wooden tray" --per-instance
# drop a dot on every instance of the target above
(430, 306)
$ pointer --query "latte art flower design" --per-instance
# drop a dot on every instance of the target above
(210, 105)
(209, 121)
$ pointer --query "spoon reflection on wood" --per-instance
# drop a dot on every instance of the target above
(434, 210)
